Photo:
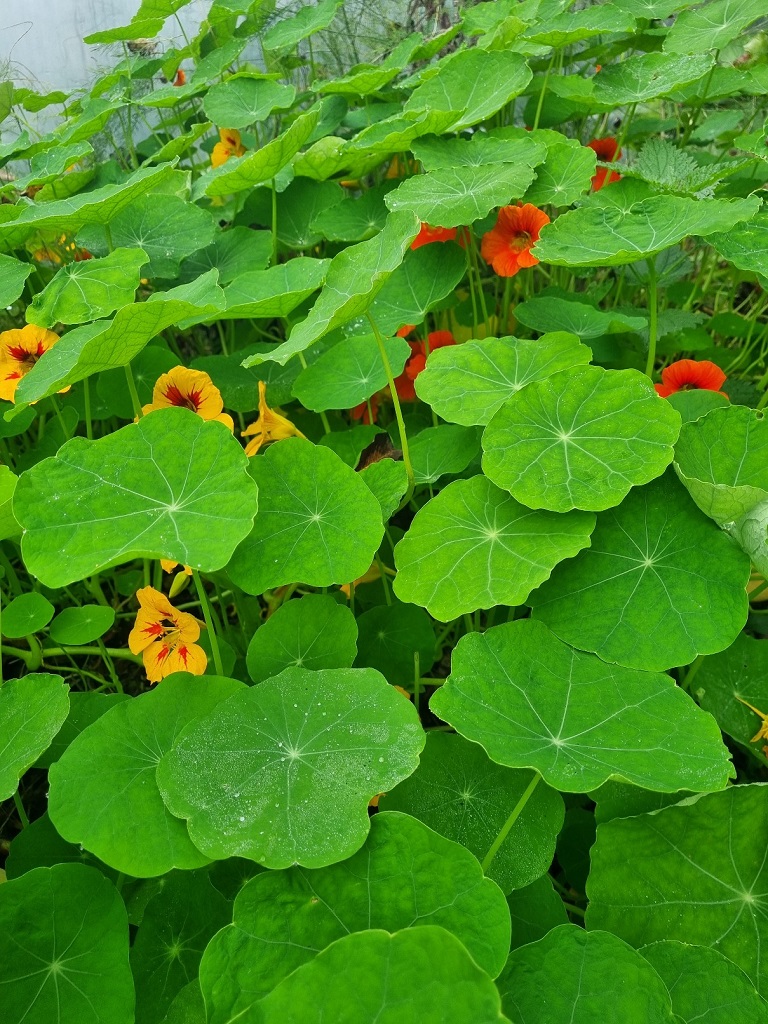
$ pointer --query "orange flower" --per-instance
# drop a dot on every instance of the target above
(372, 574)
(270, 426)
(19, 351)
(418, 360)
(189, 389)
(507, 246)
(690, 375)
(165, 637)
(607, 150)
(405, 330)
(428, 234)
(181, 78)
(762, 732)
(168, 566)
(360, 412)
(230, 145)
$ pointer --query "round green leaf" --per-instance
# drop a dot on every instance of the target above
(711, 27)
(648, 75)
(32, 710)
(659, 586)
(282, 773)
(508, 146)
(706, 988)
(580, 439)
(285, 34)
(390, 638)
(695, 872)
(576, 977)
(240, 101)
(475, 82)
(170, 486)
(405, 876)
(473, 546)
(187, 1007)
(619, 800)
(464, 796)
(533, 702)
(692, 405)
(349, 373)
(605, 236)
(177, 924)
(314, 632)
(82, 625)
(453, 196)
(39, 845)
(426, 276)
(264, 294)
(444, 449)
(416, 976)
(27, 613)
(103, 792)
(84, 709)
(88, 289)
(551, 313)
(233, 252)
(13, 274)
(354, 220)
(469, 383)
(318, 522)
(64, 948)
(565, 175)
(741, 671)
(575, 26)
(746, 246)
(535, 910)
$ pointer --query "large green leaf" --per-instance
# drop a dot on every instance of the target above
(354, 220)
(737, 674)
(116, 812)
(394, 134)
(32, 710)
(265, 294)
(473, 546)
(349, 373)
(356, 275)
(318, 522)
(147, 21)
(170, 486)
(25, 614)
(69, 215)
(458, 791)
(533, 702)
(244, 99)
(426, 276)
(695, 872)
(470, 383)
(535, 910)
(705, 986)
(391, 636)
(416, 976)
(453, 196)
(443, 449)
(282, 772)
(105, 344)
(473, 81)
(288, 33)
(606, 236)
(404, 876)
(166, 228)
(580, 439)
(436, 153)
(233, 252)
(576, 977)
(659, 586)
(746, 246)
(240, 173)
(552, 313)
(64, 948)
(315, 632)
(8, 525)
(648, 75)
(565, 175)
(176, 926)
(13, 274)
(574, 26)
(712, 26)
(88, 290)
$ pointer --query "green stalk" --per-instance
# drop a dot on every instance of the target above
(209, 622)
(398, 412)
(540, 104)
(87, 404)
(20, 809)
(135, 402)
(515, 813)
(653, 310)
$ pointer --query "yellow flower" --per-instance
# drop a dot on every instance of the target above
(165, 637)
(168, 566)
(270, 426)
(19, 351)
(762, 732)
(230, 145)
(189, 389)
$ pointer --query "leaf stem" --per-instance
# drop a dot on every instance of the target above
(398, 412)
(515, 813)
(20, 810)
(653, 310)
(133, 392)
(209, 622)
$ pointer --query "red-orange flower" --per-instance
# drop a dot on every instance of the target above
(405, 330)
(418, 360)
(690, 375)
(507, 246)
(189, 389)
(360, 412)
(19, 351)
(165, 637)
(181, 78)
(606, 149)
(428, 234)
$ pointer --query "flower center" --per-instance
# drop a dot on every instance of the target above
(176, 397)
(23, 355)
(521, 240)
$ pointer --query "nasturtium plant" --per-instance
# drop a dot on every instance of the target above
(384, 516)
